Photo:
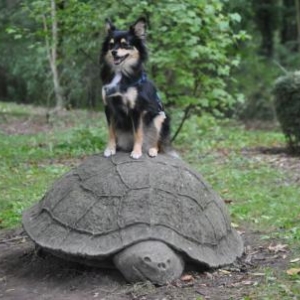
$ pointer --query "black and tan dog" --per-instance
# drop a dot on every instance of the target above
(134, 112)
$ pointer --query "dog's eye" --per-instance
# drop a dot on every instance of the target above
(125, 45)
(111, 43)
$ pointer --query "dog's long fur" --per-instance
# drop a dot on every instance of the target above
(135, 116)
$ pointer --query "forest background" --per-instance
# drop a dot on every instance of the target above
(220, 57)
(215, 63)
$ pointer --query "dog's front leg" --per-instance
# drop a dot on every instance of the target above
(138, 136)
(157, 122)
(111, 145)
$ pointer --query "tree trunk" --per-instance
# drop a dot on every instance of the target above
(297, 3)
(264, 18)
(52, 56)
(288, 32)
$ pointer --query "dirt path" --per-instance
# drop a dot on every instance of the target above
(24, 275)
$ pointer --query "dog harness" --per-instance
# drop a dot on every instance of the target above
(143, 79)
(114, 87)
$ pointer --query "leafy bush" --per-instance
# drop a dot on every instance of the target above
(256, 77)
(287, 106)
(190, 45)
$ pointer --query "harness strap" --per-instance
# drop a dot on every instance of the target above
(142, 79)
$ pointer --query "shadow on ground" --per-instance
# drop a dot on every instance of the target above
(24, 275)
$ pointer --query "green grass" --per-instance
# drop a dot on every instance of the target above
(262, 195)
(31, 162)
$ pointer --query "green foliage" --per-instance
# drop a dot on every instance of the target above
(287, 106)
(79, 23)
(195, 48)
(271, 49)
(256, 80)
(190, 48)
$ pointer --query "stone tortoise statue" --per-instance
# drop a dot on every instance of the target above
(150, 215)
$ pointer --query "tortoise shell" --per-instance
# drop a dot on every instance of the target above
(107, 204)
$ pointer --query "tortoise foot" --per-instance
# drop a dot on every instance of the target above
(149, 261)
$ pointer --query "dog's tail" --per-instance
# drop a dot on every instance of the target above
(165, 140)
(167, 148)
(171, 152)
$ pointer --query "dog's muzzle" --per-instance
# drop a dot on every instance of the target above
(118, 59)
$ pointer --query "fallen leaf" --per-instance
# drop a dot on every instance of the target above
(293, 271)
(278, 248)
(258, 274)
(224, 271)
(234, 225)
(248, 282)
(295, 260)
(187, 278)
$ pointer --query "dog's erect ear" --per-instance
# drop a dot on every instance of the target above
(139, 28)
(109, 26)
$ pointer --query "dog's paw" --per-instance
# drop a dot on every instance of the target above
(152, 152)
(109, 152)
(136, 154)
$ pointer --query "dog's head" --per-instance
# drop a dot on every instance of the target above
(124, 50)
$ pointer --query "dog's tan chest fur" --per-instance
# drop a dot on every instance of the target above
(129, 98)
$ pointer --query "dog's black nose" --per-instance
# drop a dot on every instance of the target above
(114, 53)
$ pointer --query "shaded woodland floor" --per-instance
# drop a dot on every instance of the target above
(25, 275)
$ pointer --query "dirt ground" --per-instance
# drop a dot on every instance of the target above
(26, 275)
